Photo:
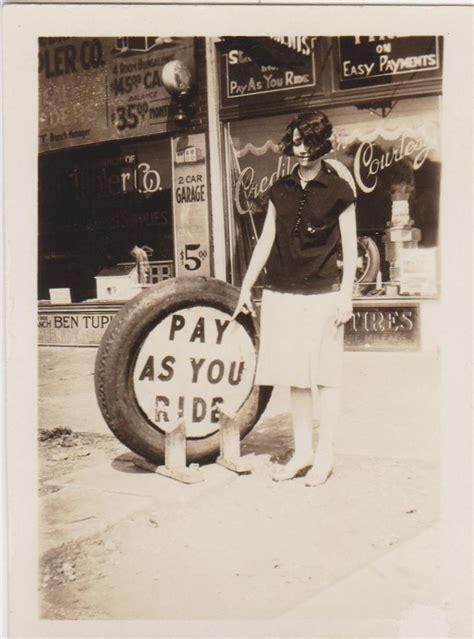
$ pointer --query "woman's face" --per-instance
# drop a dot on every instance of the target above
(301, 151)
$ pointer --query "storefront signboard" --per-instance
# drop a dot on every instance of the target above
(193, 365)
(191, 205)
(244, 77)
(375, 326)
(97, 89)
(72, 327)
(363, 59)
(383, 327)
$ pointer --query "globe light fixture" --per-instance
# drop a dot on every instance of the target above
(177, 80)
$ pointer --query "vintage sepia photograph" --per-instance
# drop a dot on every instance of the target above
(239, 285)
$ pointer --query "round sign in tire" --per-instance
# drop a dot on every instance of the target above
(172, 354)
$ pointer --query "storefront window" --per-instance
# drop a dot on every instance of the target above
(95, 205)
(394, 158)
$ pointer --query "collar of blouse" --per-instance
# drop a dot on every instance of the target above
(321, 177)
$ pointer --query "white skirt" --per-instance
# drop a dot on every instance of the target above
(300, 345)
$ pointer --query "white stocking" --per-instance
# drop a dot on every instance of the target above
(302, 413)
(329, 408)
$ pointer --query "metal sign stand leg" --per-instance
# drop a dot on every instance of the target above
(175, 458)
(230, 456)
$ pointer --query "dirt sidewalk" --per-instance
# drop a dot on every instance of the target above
(120, 543)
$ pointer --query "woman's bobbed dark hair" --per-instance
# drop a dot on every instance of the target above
(314, 128)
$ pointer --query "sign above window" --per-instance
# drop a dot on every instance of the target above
(374, 60)
(99, 89)
(262, 66)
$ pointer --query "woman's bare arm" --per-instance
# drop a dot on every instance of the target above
(348, 228)
(257, 261)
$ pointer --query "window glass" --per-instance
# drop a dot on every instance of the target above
(95, 205)
(393, 155)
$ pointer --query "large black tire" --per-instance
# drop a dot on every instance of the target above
(118, 351)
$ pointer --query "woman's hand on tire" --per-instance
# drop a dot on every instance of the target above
(244, 305)
(344, 311)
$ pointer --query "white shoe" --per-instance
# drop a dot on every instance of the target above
(293, 468)
(317, 477)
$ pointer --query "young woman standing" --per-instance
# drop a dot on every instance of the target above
(306, 302)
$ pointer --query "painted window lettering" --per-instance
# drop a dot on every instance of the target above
(70, 58)
(190, 189)
(143, 179)
(362, 39)
(350, 70)
(408, 63)
(237, 57)
(386, 56)
(192, 257)
(302, 44)
(378, 321)
(247, 189)
(367, 166)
